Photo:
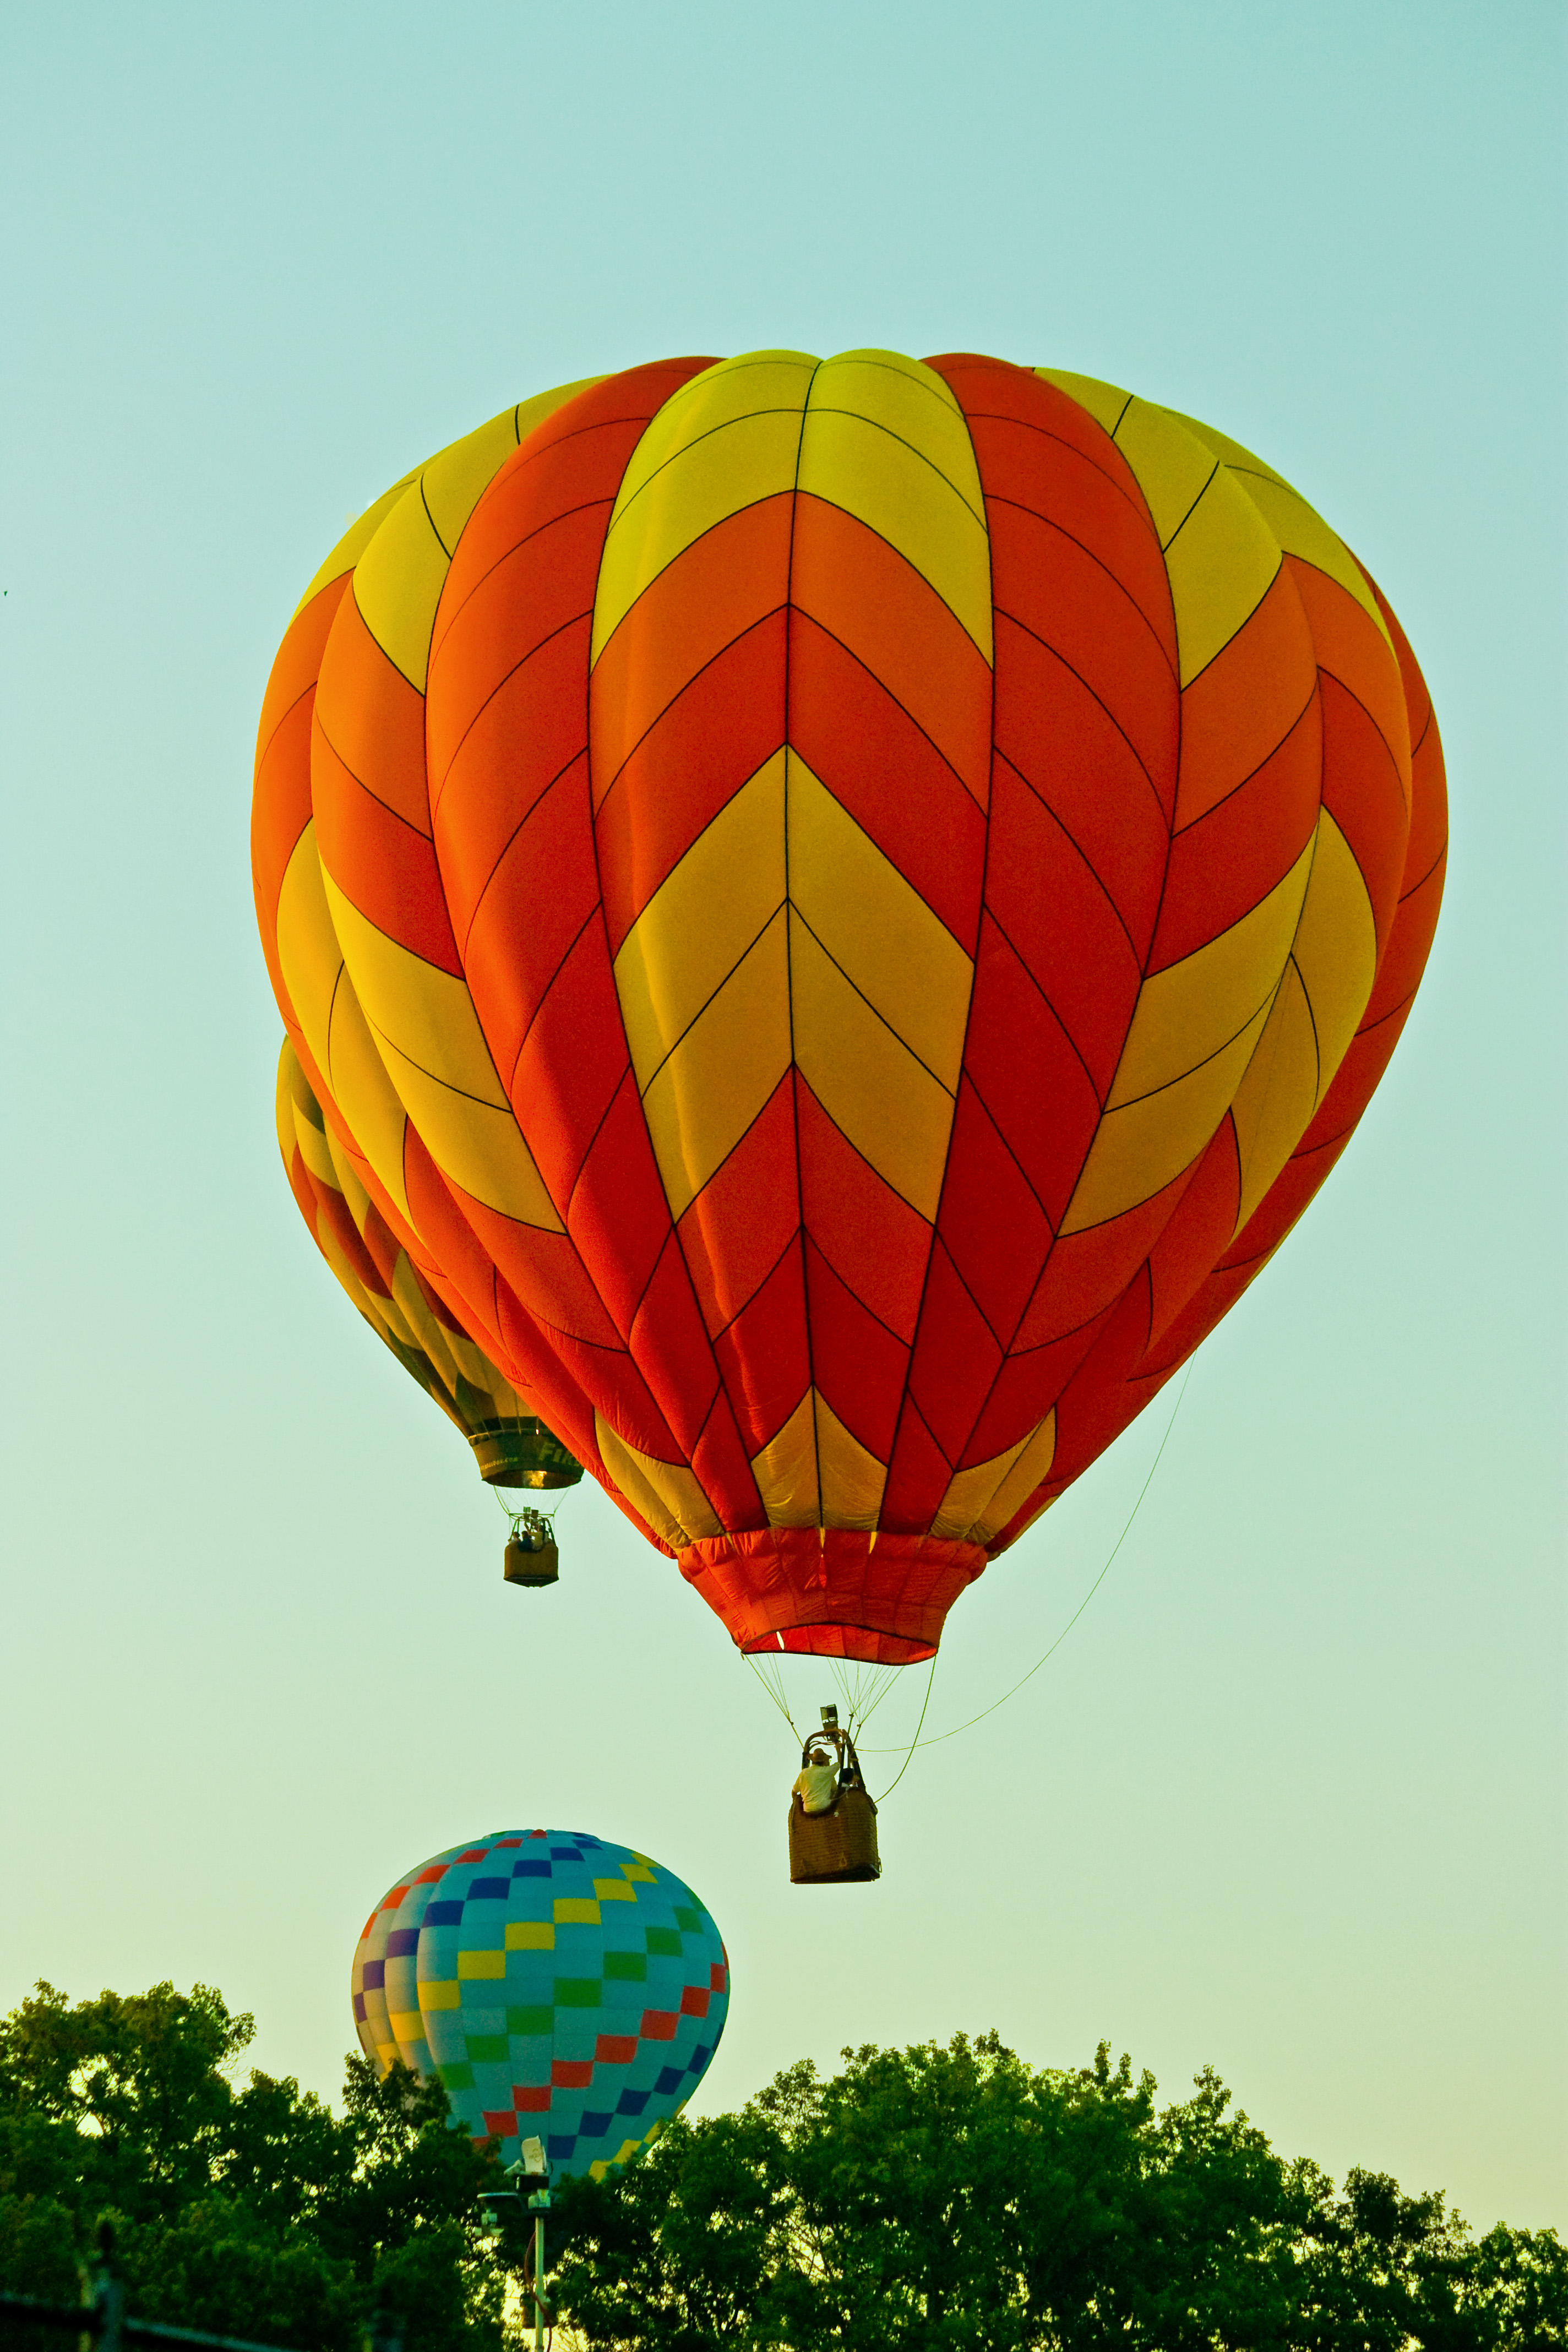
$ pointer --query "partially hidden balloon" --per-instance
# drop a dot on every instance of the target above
(511, 1446)
(840, 910)
(561, 1987)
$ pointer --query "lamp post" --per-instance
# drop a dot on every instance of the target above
(103, 2291)
(530, 2174)
(539, 2206)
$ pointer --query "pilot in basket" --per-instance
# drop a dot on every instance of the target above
(832, 1816)
(531, 1556)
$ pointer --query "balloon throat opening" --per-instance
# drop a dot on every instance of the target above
(854, 1593)
(521, 1452)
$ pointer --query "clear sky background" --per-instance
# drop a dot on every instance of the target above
(1289, 1799)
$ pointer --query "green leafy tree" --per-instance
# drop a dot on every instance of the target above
(246, 2209)
(927, 2199)
(958, 2200)
(1383, 2271)
(219, 2265)
(408, 2217)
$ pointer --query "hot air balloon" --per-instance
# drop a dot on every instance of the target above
(839, 910)
(511, 1446)
(561, 1987)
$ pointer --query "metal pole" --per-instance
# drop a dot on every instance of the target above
(539, 2205)
(104, 2291)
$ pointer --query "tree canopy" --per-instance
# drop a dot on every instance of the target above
(929, 2200)
(252, 2210)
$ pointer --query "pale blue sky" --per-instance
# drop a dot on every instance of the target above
(1290, 1797)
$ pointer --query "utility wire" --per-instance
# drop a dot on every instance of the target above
(937, 1738)
(776, 1695)
(914, 1742)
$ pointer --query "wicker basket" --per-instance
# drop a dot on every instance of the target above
(836, 1847)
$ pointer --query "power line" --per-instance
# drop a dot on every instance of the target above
(937, 1738)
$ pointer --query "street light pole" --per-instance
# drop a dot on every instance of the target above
(530, 2166)
(539, 2205)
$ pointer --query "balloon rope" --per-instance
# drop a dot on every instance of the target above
(914, 1742)
(776, 1695)
(842, 1685)
(512, 1516)
(937, 1738)
(892, 1673)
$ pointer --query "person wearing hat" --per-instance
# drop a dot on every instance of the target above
(817, 1783)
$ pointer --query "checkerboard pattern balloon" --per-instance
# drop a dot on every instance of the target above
(560, 1987)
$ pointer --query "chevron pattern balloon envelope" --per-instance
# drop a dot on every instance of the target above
(511, 1446)
(560, 1987)
(840, 910)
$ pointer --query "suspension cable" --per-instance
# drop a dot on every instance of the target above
(937, 1738)
(777, 1695)
(914, 1742)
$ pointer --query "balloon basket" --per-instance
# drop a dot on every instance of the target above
(838, 1848)
(521, 1566)
(531, 1556)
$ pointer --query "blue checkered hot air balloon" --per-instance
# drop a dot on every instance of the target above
(561, 1987)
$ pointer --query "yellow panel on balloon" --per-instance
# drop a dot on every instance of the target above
(481, 1965)
(1299, 527)
(885, 441)
(703, 918)
(1192, 1009)
(1278, 1093)
(852, 1477)
(785, 1469)
(723, 442)
(980, 1500)
(530, 1936)
(435, 1051)
(877, 927)
(711, 1086)
(399, 577)
(1335, 948)
(897, 1116)
(1140, 1149)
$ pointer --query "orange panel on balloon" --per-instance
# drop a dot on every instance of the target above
(712, 593)
(744, 1218)
(875, 1241)
(1068, 748)
(865, 594)
(1229, 858)
(858, 739)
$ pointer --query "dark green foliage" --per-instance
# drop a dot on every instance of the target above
(959, 2200)
(252, 2211)
(38, 2248)
(926, 2200)
(218, 2266)
(1382, 2271)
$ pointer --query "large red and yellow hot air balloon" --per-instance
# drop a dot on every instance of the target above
(840, 910)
